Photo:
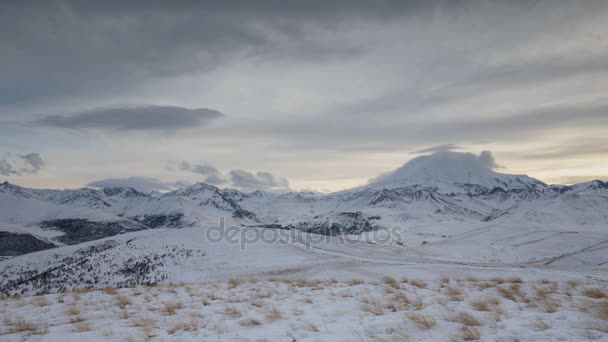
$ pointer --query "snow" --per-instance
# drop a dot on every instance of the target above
(287, 309)
(445, 216)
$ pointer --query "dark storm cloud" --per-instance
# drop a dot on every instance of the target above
(133, 118)
(211, 173)
(260, 180)
(438, 148)
(56, 48)
(144, 184)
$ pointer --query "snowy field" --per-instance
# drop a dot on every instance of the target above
(292, 290)
(286, 309)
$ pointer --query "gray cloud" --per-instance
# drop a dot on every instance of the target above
(18, 165)
(35, 161)
(438, 148)
(240, 179)
(6, 169)
(211, 173)
(257, 181)
(143, 184)
(133, 118)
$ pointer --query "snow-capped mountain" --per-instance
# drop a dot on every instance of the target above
(446, 187)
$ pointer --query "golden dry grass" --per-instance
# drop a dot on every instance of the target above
(355, 281)
(392, 282)
(594, 293)
(72, 310)
(485, 304)
(142, 322)
(232, 311)
(170, 308)
(40, 302)
(82, 326)
(123, 314)
(274, 314)
(109, 290)
(372, 306)
(454, 293)
(469, 333)
(191, 325)
(423, 321)
(602, 310)
(419, 284)
(20, 325)
(464, 318)
(250, 323)
(123, 302)
(540, 325)
(233, 283)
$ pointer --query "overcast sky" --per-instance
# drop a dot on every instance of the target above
(319, 95)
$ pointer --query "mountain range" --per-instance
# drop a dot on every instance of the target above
(438, 190)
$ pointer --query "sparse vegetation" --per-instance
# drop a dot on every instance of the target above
(423, 321)
(274, 314)
(232, 311)
(392, 282)
(595, 293)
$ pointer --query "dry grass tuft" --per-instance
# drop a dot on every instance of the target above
(40, 302)
(515, 280)
(171, 308)
(109, 290)
(469, 333)
(549, 305)
(192, 325)
(232, 311)
(498, 280)
(423, 321)
(233, 283)
(354, 282)
(20, 325)
(510, 292)
(463, 318)
(274, 314)
(123, 302)
(486, 304)
(572, 283)
(594, 293)
(541, 325)
(77, 319)
(123, 314)
(455, 294)
(392, 282)
(82, 326)
(250, 323)
(419, 284)
(311, 327)
(72, 310)
(602, 311)
(143, 322)
(372, 306)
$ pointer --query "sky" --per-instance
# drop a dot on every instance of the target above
(297, 95)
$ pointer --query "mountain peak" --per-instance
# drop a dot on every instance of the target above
(449, 171)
